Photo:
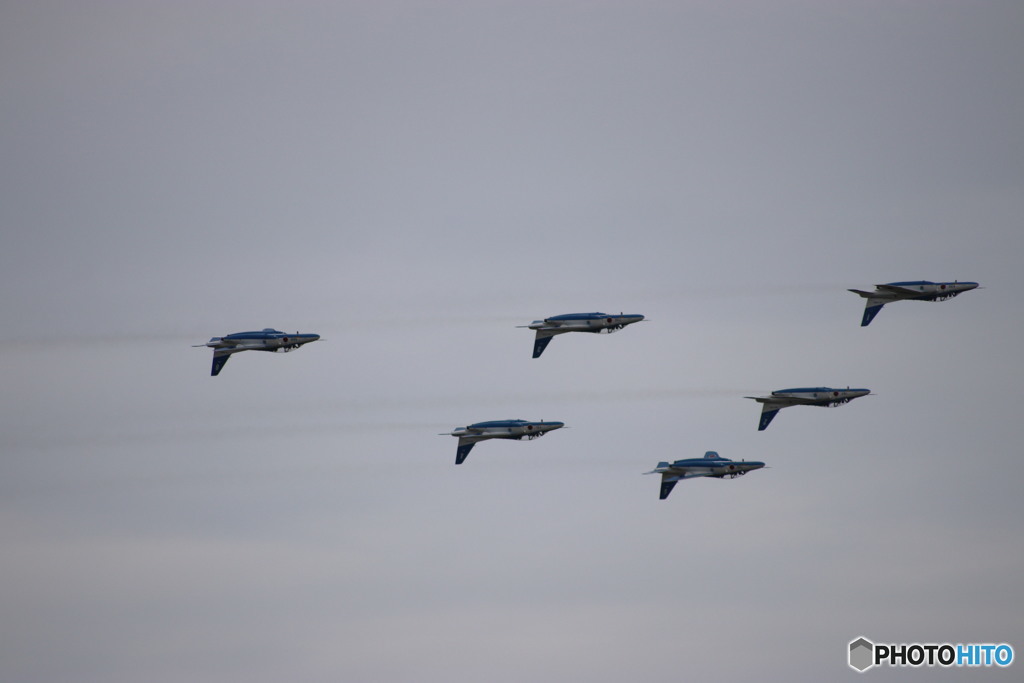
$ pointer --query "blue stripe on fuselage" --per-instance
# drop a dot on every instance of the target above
(498, 423)
(262, 334)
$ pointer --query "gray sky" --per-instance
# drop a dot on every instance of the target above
(413, 179)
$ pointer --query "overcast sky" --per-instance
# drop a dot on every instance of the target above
(411, 180)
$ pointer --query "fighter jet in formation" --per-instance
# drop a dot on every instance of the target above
(918, 290)
(811, 396)
(498, 429)
(267, 339)
(577, 322)
(711, 465)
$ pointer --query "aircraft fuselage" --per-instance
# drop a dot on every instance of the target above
(817, 396)
(585, 322)
(263, 340)
(701, 467)
(923, 290)
(507, 429)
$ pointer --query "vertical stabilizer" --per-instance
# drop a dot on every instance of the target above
(870, 311)
(766, 417)
(541, 342)
(220, 357)
(873, 306)
(465, 446)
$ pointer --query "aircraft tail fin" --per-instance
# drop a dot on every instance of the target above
(767, 415)
(873, 305)
(711, 455)
(219, 359)
(870, 311)
(541, 342)
(667, 484)
(465, 446)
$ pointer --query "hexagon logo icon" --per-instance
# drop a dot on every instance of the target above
(862, 654)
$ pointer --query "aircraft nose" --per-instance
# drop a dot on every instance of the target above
(755, 465)
(554, 425)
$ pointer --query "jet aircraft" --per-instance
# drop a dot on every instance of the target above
(577, 322)
(711, 465)
(810, 396)
(498, 429)
(267, 339)
(918, 290)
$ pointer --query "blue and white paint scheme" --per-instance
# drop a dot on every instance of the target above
(267, 339)
(498, 429)
(916, 290)
(597, 323)
(711, 465)
(806, 396)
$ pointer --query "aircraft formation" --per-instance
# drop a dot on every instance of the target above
(711, 465)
